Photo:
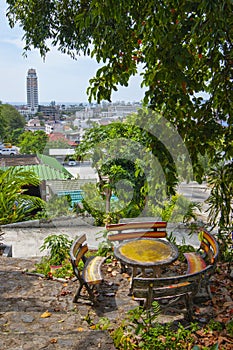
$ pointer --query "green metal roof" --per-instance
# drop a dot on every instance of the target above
(53, 163)
(46, 168)
(45, 172)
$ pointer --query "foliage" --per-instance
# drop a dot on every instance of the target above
(58, 247)
(125, 156)
(182, 48)
(225, 241)
(10, 120)
(33, 142)
(182, 248)
(15, 204)
(44, 267)
(140, 331)
(57, 206)
(105, 248)
(176, 209)
(101, 218)
(220, 180)
(129, 145)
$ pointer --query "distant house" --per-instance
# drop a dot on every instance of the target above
(34, 125)
(33, 122)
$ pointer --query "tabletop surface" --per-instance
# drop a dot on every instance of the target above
(146, 252)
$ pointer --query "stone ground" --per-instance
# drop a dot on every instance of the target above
(38, 313)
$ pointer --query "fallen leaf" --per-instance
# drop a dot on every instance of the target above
(80, 329)
(53, 341)
(46, 314)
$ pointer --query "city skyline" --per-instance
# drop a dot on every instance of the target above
(61, 78)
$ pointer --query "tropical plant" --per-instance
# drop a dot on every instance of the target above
(220, 180)
(105, 247)
(139, 330)
(15, 204)
(58, 247)
(176, 209)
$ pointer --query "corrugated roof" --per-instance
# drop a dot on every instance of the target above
(53, 163)
(45, 172)
(47, 168)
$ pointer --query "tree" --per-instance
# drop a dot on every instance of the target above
(15, 204)
(10, 119)
(141, 167)
(184, 48)
(33, 142)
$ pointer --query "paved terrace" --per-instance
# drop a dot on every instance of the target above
(38, 313)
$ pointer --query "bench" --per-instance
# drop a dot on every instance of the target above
(204, 260)
(146, 290)
(200, 268)
(90, 276)
(133, 230)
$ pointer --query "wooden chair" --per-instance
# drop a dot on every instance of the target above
(90, 276)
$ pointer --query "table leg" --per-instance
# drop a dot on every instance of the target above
(156, 272)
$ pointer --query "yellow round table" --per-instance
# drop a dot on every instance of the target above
(146, 253)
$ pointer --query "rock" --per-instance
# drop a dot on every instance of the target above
(27, 318)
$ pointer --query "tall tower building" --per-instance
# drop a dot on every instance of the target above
(32, 90)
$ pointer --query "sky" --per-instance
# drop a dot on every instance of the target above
(60, 78)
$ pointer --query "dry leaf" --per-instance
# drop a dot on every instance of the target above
(80, 329)
(45, 314)
(53, 341)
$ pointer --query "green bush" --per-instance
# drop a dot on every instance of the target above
(58, 247)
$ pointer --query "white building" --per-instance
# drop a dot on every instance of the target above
(32, 90)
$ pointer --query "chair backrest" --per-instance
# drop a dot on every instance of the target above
(78, 250)
(210, 246)
(131, 230)
(152, 288)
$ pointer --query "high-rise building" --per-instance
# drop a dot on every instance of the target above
(32, 90)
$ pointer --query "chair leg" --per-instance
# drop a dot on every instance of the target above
(77, 295)
(208, 290)
(189, 306)
(90, 292)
